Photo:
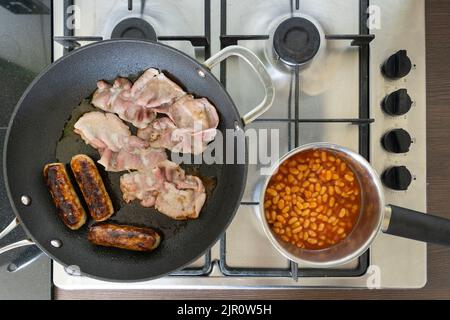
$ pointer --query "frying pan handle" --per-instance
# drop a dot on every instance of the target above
(24, 258)
(9, 228)
(256, 64)
(414, 225)
(14, 245)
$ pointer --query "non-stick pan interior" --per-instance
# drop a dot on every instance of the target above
(32, 142)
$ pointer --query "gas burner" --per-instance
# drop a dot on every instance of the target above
(296, 41)
(134, 28)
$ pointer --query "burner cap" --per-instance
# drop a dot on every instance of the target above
(134, 28)
(296, 41)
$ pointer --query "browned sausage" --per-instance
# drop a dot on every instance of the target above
(91, 185)
(64, 196)
(124, 237)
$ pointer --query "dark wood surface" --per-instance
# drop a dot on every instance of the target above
(438, 122)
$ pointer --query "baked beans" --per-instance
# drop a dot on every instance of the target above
(313, 200)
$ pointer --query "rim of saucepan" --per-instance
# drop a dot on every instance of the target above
(12, 119)
(332, 263)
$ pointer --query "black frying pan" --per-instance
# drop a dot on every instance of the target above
(33, 139)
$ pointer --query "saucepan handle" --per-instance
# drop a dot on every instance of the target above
(18, 244)
(256, 64)
(414, 225)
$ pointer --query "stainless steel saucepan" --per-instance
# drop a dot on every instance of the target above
(375, 216)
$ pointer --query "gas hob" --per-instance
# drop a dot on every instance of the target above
(339, 88)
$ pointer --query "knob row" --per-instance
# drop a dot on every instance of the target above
(397, 103)
(397, 141)
(395, 67)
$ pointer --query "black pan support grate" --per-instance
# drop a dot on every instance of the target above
(361, 40)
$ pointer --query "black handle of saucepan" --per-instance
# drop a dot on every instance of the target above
(418, 226)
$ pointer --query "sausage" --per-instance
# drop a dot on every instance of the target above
(124, 237)
(91, 185)
(64, 196)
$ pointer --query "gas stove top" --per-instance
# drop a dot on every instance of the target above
(351, 83)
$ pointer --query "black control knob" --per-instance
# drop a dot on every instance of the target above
(397, 66)
(397, 178)
(397, 141)
(397, 103)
